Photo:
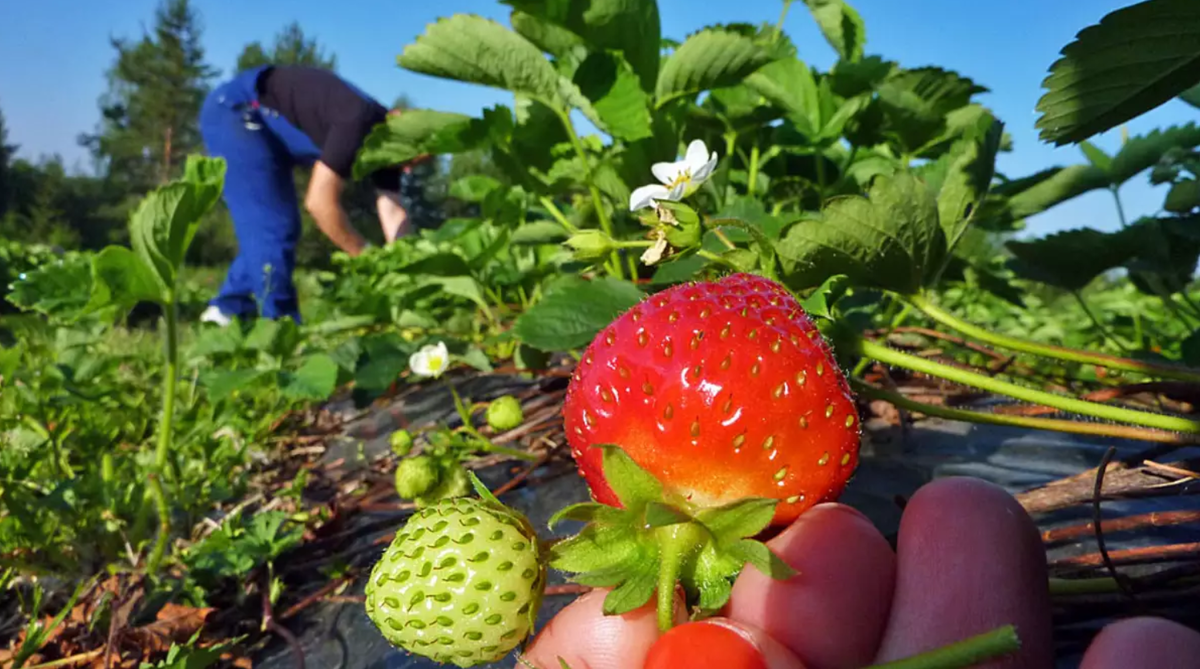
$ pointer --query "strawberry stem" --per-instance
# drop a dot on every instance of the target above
(965, 653)
(676, 543)
(1166, 371)
(1033, 422)
(890, 356)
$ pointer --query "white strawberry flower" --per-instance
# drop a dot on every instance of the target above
(679, 179)
(432, 360)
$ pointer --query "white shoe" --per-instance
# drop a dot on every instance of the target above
(214, 315)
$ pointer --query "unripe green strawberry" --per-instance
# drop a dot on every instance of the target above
(401, 442)
(505, 414)
(461, 583)
(416, 476)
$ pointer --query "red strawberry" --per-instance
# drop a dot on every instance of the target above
(704, 645)
(721, 390)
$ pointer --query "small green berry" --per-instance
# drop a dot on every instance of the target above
(416, 476)
(402, 442)
(505, 414)
(452, 482)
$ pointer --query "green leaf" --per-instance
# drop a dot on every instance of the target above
(918, 104)
(629, 27)
(60, 289)
(549, 37)
(121, 278)
(224, 384)
(462, 286)
(585, 512)
(892, 240)
(736, 520)
(1165, 252)
(598, 546)
(1144, 151)
(1096, 156)
(789, 84)
(1031, 195)
(1183, 197)
(163, 225)
(315, 379)
(539, 232)
(820, 302)
(633, 486)
(1134, 60)
(763, 559)
(414, 133)
(572, 315)
(711, 58)
(843, 27)
(207, 178)
(470, 48)
(616, 102)
(632, 594)
(972, 165)
(1191, 96)
(1189, 349)
(473, 187)
(657, 514)
(998, 285)
(1070, 259)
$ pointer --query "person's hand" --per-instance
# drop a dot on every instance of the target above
(968, 560)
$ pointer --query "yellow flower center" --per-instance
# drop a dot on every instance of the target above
(684, 177)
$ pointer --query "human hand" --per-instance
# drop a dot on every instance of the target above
(969, 560)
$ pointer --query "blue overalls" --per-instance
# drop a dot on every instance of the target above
(261, 149)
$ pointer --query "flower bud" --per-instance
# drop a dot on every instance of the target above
(590, 245)
(401, 442)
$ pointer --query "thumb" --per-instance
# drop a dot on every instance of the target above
(719, 643)
(585, 638)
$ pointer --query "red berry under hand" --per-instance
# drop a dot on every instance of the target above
(721, 390)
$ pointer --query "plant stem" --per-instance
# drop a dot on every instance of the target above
(488, 446)
(164, 522)
(890, 356)
(820, 156)
(710, 256)
(1096, 321)
(1115, 190)
(170, 369)
(171, 318)
(787, 4)
(1050, 351)
(1034, 423)
(752, 178)
(614, 264)
(557, 214)
(675, 542)
(484, 444)
(966, 653)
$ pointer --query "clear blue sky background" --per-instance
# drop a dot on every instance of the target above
(53, 55)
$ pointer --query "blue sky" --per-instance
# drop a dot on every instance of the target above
(54, 53)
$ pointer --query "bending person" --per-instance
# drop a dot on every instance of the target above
(265, 122)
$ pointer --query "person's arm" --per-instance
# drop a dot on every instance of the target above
(323, 201)
(392, 216)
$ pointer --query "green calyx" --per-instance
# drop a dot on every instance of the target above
(654, 543)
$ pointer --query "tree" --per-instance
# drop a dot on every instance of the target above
(149, 113)
(7, 151)
(292, 47)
